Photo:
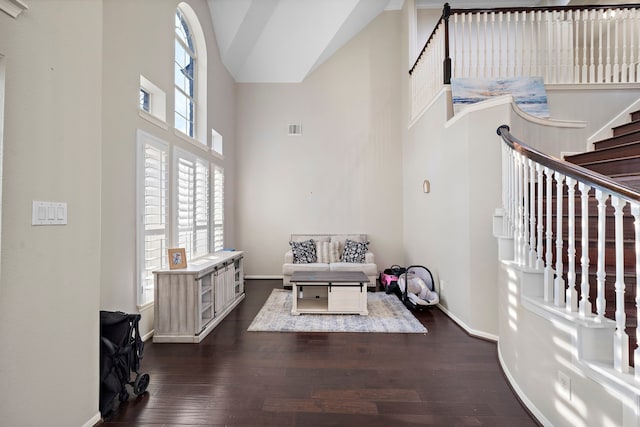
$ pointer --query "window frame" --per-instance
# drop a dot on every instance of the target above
(142, 272)
(199, 136)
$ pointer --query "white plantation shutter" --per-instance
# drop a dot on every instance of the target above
(202, 191)
(218, 208)
(192, 204)
(152, 209)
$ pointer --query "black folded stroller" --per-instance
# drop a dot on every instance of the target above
(120, 352)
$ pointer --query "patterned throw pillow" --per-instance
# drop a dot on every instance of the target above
(354, 251)
(304, 252)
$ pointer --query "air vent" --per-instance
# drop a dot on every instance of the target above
(295, 130)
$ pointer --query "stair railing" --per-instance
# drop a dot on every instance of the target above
(561, 44)
(528, 202)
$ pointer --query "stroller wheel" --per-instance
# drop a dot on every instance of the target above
(141, 383)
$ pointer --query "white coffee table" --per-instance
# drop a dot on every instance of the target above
(329, 292)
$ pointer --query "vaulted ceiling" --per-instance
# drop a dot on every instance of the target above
(285, 40)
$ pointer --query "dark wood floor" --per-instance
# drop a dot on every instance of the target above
(237, 378)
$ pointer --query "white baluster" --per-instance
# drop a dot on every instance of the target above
(526, 55)
(616, 48)
(515, 44)
(507, 61)
(635, 211)
(463, 57)
(540, 45)
(558, 284)
(585, 67)
(473, 52)
(607, 67)
(576, 60)
(539, 249)
(501, 53)
(620, 338)
(585, 304)
(548, 269)
(633, 24)
(624, 67)
(526, 248)
(478, 68)
(512, 191)
(532, 214)
(555, 48)
(571, 293)
(601, 303)
(592, 63)
(600, 66)
(520, 210)
(485, 48)
(533, 63)
(492, 51)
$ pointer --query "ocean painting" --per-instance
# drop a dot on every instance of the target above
(528, 92)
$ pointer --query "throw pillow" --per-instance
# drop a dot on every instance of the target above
(322, 251)
(304, 252)
(354, 251)
(334, 251)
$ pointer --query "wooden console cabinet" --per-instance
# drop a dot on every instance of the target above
(191, 301)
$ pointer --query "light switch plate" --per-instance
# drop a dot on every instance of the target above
(49, 213)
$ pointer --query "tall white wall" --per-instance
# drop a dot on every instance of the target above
(343, 174)
(50, 282)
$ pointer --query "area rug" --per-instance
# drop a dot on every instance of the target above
(386, 314)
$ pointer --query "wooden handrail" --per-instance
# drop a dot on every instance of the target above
(447, 11)
(589, 177)
(444, 15)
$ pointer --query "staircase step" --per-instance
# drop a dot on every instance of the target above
(631, 149)
(613, 168)
(632, 181)
(626, 128)
(617, 140)
(635, 115)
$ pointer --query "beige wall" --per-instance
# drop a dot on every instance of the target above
(50, 283)
(343, 175)
(71, 115)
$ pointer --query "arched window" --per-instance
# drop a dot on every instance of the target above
(190, 75)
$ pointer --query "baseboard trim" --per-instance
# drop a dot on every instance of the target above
(473, 332)
(263, 277)
(93, 421)
(535, 412)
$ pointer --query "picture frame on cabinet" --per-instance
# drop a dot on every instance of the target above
(177, 258)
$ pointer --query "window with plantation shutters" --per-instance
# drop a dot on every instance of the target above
(152, 212)
(192, 204)
(184, 76)
(218, 208)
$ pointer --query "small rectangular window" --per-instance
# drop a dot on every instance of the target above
(144, 100)
(216, 142)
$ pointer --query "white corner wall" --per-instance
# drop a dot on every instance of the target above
(50, 282)
(449, 229)
(343, 174)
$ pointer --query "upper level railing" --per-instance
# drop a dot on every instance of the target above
(563, 45)
(536, 189)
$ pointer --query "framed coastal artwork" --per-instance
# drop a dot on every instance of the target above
(528, 92)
